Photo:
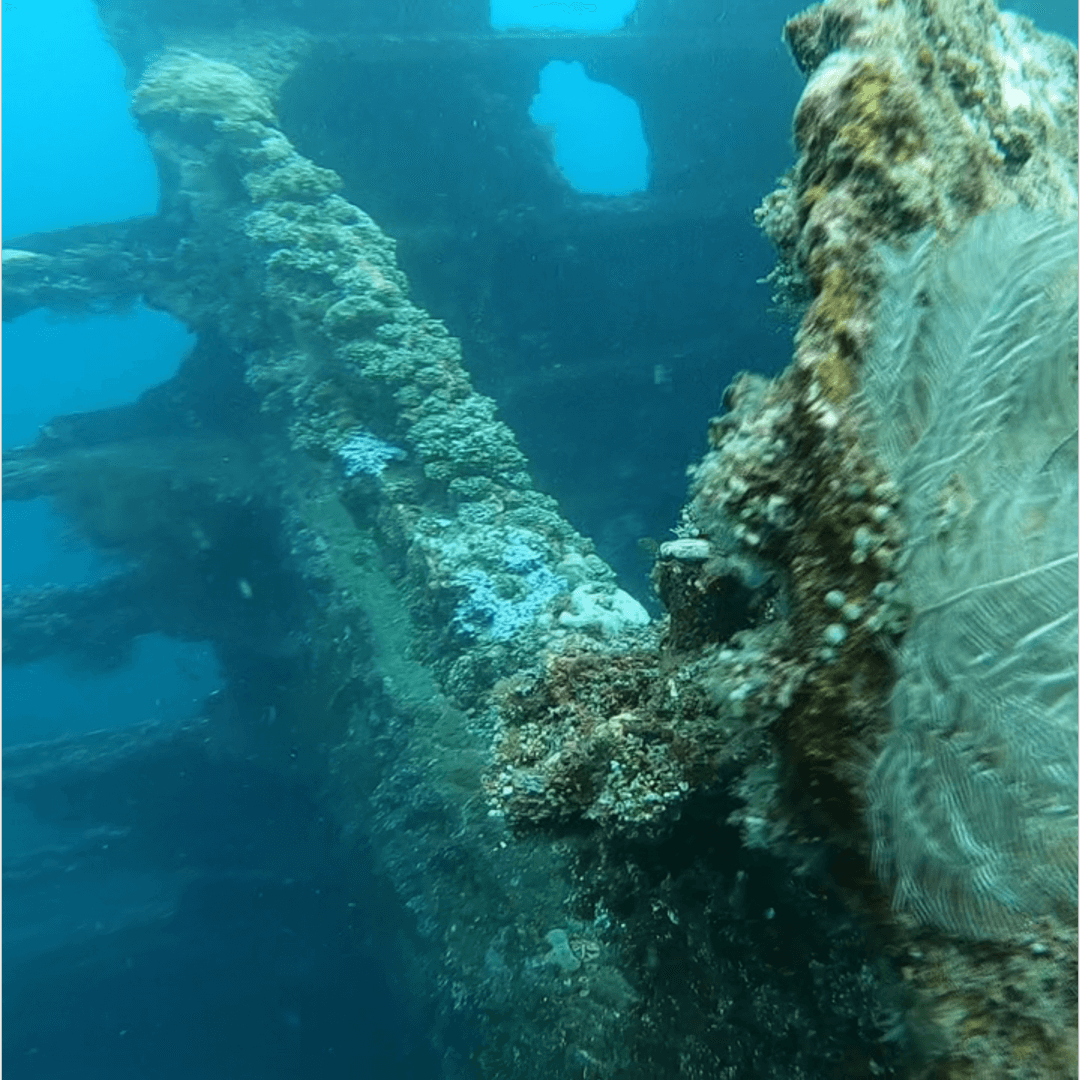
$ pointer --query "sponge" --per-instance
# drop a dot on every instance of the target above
(970, 400)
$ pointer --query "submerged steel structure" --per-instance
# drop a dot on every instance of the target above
(601, 845)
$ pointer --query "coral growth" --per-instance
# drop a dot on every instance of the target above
(971, 401)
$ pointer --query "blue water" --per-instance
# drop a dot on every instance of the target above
(73, 156)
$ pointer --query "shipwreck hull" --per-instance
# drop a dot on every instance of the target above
(615, 846)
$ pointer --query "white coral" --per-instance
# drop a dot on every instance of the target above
(971, 400)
